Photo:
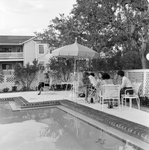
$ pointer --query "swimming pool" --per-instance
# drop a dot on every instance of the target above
(53, 128)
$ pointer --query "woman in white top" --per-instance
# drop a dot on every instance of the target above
(106, 79)
(92, 79)
(126, 84)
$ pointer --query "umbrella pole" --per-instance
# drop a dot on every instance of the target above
(74, 83)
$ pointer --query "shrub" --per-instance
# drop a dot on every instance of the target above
(144, 101)
(5, 90)
(14, 88)
(24, 88)
(24, 75)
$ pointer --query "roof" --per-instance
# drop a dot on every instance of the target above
(13, 40)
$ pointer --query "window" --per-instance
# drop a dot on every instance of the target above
(41, 49)
(6, 66)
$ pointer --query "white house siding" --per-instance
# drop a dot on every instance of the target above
(29, 52)
(42, 57)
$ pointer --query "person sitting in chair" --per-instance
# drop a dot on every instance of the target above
(93, 87)
(125, 84)
(106, 79)
(44, 83)
(86, 84)
(92, 79)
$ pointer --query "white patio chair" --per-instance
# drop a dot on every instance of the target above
(110, 92)
(132, 96)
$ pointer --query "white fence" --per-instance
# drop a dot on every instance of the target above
(141, 76)
(14, 55)
(8, 81)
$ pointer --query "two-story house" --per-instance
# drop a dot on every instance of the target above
(20, 49)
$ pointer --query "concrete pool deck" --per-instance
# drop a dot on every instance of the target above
(134, 115)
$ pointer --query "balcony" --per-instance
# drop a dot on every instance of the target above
(11, 55)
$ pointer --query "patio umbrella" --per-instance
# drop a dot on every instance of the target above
(75, 51)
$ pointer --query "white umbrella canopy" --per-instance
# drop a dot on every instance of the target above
(76, 51)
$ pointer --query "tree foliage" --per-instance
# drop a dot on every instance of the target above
(131, 60)
(25, 75)
(113, 25)
(110, 27)
(61, 68)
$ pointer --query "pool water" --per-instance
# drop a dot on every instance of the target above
(52, 129)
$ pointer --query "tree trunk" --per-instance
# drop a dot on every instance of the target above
(144, 62)
(143, 55)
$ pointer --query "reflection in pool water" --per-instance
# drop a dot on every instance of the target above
(52, 129)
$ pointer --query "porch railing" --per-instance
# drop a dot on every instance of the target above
(7, 72)
(13, 55)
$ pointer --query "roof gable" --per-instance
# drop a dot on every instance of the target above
(14, 39)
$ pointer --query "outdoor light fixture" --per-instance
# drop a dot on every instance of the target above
(147, 56)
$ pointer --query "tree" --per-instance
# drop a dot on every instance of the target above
(131, 60)
(108, 27)
(137, 25)
(114, 25)
(61, 68)
(60, 32)
(25, 75)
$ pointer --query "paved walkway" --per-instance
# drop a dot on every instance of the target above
(134, 115)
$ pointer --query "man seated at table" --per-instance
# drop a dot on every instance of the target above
(125, 84)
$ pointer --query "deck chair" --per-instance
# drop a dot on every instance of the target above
(109, 92)
(46, 87)
(135, 96)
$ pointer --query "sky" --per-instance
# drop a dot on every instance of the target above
(24, 17)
